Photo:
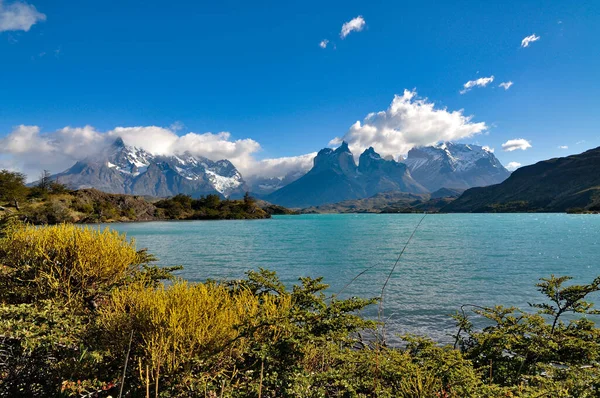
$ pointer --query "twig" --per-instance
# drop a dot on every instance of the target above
(125, 367)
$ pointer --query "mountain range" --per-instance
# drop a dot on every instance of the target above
(459, 166)
(570, 183)
(335, 176)
(129, 170)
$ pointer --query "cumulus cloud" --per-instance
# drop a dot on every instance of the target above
(354, 25)
(323, 43)
(563, 147)
(30, 150)
(528, 40)
(512, 166)
(505, 85)
(488, 149)
(409, 121)
(481, 82)
(280, 167)
(513, 145)
(18, 16)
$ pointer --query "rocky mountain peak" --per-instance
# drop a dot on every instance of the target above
(453, 165)
(339, 160)
(343, 148)
(118, 143)
(336, 177)
(120, 168)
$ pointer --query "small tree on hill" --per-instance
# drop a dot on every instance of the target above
(12, 187)
(45, 181)
(249, 202)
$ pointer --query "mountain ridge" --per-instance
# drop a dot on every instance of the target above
(455, 166)
(124, 169)
(554, 185)
(336, 177)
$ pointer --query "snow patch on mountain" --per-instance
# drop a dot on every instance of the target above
(133, 165)
(453, 165)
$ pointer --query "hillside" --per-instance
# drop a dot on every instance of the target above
(389, 202)
(92, 206)
(570, 183)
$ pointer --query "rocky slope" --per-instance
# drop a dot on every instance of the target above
(336, 177)
(457, 166)
(562, 184)
(130, 170)
(389, 202)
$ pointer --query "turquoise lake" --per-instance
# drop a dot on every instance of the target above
(453, 259)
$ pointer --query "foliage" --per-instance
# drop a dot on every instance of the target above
(76, 304)
(538, 348)
(50, 202)
(63, 261)
(210, 207)
(12, 187)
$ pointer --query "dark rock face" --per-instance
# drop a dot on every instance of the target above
(336, 177)
(130, 170)
(457, 166)
(554, 185)
(381, 175)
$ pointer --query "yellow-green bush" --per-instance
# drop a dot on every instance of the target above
(63, 261)
(176, 325)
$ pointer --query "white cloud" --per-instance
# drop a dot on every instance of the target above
(512, 166)
(580, 142)
(280, 167)
(505, 85)
(529, 39)
(177, 126)
(29, 150)
(563, 147)
(513, 145)
(323, 43)
(481, 82)
(409, 121)
(18, 16)
(487, 149)
(355, 25)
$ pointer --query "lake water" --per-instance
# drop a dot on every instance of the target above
(453, 259)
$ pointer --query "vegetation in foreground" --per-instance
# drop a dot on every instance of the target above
(50, 202)
(83, 313)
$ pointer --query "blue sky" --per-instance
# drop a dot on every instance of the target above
(257, 70)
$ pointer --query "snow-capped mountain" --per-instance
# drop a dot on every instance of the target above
(450, 165)
(126, 169)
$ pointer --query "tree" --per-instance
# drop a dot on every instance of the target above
(45, 181)
(212, 201)
(249, 202)
(12, 187)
